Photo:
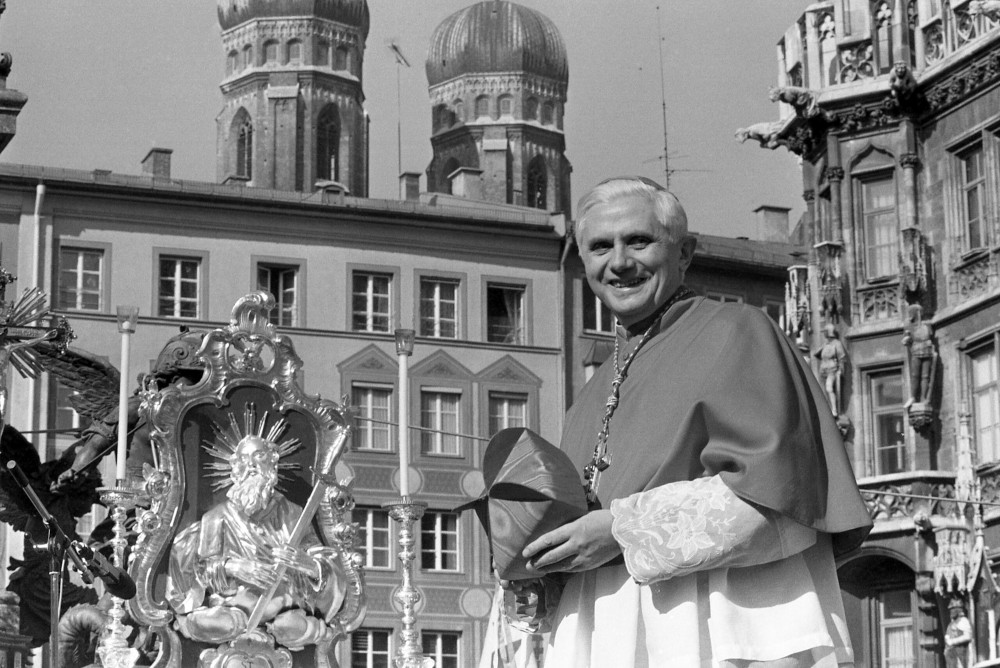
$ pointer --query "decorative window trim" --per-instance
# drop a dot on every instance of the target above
(867, 376)
(488, 281)
(365, 268)
(968, 347)
(439, 372)
(106, 271)
(299, 265)
(461, 309)
(393, 416)
(372, 367)
(858, 179)
(203, 280)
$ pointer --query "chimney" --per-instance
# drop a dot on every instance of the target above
(467, 182)
(772, 223)
(409, 185)
(157, 163)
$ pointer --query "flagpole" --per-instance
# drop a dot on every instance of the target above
(400, 60)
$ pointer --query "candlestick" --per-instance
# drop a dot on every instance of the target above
(127, 318)
(409, 654)
(114, 649)
(404, 348)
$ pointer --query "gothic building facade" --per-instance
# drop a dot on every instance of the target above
(293, 113)
(498, 74)
(894, 108)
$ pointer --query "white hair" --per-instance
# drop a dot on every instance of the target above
(667, 207)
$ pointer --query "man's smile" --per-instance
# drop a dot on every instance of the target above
(626, 283)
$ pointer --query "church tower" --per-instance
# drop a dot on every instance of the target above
(497, 75)
(293, 114)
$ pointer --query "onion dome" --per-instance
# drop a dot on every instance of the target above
(496, 36)
(348, 12)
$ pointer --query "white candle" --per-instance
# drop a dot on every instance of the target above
(404, 347)
(127, 316)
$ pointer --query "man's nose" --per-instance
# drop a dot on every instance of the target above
(620, 259)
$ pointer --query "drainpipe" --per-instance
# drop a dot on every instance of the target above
(36, 241)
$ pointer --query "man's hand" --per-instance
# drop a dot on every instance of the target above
(251, 572)
(578, 546)
(296, 559)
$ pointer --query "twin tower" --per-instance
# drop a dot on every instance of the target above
(294, 117)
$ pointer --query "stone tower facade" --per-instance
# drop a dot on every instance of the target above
(293, 114)
(498, 74)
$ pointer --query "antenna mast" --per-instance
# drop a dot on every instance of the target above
(663, 98)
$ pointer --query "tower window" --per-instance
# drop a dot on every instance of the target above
(244, 149)
(506, 105)
(271, 53)
(322, 56)
(295, 52)
(531, 109)
(232, 62)
(459, 111)
(328, 144)
(482, 106)
(537, 184)
(341, 58)
(548, 113)
(247, 57)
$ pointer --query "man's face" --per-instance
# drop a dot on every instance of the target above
(254, 474)
(631, 264)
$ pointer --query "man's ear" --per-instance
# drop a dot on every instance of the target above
(688, 244)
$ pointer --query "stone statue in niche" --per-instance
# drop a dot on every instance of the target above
(921, 356)
(832, 358)
(221, 564)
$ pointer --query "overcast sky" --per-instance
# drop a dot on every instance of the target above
(109, 79)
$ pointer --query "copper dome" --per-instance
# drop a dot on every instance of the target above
(496, 36)
(348, 12)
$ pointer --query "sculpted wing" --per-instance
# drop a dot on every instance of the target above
(94, 379)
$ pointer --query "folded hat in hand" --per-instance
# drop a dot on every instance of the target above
(532, 488)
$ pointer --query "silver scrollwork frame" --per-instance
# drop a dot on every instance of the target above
(247, 353)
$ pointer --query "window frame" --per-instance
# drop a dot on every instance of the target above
(391, 430)
(503, 282)
(369, 632)
(987, 342)
(587, 295)
(507, 377)
(461, 295)
(257, 262)
(873, 412)
(861, 181)
(439, 551)
(506, 396)
(203, 280)
(986, 137)
(459, 420)
(725, 297)
(437, 654)
(373, 269)
(105, 272)
(365, 546)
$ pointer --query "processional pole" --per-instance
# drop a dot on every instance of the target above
(409, 653)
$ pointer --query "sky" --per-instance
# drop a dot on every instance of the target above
(107, 80)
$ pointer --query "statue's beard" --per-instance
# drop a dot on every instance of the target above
(253, 492)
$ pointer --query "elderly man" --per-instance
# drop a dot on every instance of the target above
(220, 564)
(718, 478)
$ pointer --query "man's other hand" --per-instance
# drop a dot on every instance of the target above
(578, 546)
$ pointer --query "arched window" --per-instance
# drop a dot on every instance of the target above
(328, 144)
(828, 48)
(295, 52)
(459, 111)
(271, 53)
(482, 106)
(243, 126)
(537, 195)
(322, 56)
(506, 105)
(883, 37)
(231, 62)
(340, 58)
(449, 168)
(531, 109)
(247, 57)
(547, 113)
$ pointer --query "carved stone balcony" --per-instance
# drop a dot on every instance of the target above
(878, 303)
(888, 496)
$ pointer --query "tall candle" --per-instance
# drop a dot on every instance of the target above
(127, 317)
(404, 348)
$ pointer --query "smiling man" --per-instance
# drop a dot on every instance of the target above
(719, 483)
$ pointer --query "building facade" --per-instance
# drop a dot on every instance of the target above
(894, 108)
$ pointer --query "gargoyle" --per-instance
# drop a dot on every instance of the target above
(766, 133)
(802, 99)
(988, 8)
(902, 83)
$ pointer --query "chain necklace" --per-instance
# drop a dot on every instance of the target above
(602, 458)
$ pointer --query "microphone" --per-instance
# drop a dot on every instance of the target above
(115, 579)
